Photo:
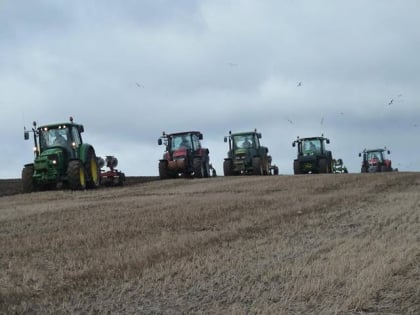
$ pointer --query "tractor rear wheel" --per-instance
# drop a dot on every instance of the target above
(257, 168)
(207, 168)
(227, 167)
(92, 168)
(163, 170)
(198, 167)
(27, 181)
(76, 175)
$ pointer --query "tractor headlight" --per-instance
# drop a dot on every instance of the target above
(53, 158)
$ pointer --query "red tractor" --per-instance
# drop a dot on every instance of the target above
(374, 160)
(184, 156)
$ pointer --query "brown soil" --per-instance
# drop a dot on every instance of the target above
(321, 244)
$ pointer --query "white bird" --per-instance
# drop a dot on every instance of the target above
(139, 85)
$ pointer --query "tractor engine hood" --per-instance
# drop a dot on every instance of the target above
(49, 159)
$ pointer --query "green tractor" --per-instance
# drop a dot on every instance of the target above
(247, 156)
(61, 159)
(312, 156)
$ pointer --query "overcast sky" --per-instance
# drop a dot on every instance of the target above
(127, 70)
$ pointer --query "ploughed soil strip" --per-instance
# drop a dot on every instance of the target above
(321, 244)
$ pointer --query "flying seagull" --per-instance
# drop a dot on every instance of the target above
(391, 102)
(232, 64)
(289, 120)
(299, 84)
(139, 85)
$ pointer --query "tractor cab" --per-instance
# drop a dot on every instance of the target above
(311, 146)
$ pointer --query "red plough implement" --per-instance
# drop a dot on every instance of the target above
(112, 177)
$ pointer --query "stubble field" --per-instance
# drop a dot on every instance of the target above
(321, 244)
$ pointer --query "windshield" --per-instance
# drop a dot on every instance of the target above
(375, 155)
(242, 141)
(311, 146)
(53, 137)
(181, 141)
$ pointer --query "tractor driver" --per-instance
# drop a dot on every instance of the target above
(59, 139)
(247, 143)
(185, 143)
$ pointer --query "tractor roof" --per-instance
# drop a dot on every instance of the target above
(243, 133)
(376, 150)
(183, 133)
(58, 125)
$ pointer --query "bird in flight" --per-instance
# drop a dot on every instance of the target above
(232, 64)
(289, 120)
(139, 85)
(299, 84)
(391, 102)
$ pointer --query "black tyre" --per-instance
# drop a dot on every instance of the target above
(198, 167)
(27, 180)
(323, 166)
(276, 171)
(227, 167)
(364, 169)
(163, 170)
(257, 167)
(296, 167)
(207, 167)
(121, 178)
(76, 175)
(92, 170)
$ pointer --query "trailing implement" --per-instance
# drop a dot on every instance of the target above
(184, 156)
(247, 156)
(111, 177)
(61, 159)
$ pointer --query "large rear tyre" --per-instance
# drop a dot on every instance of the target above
(76, 175)
(227, 167)
(198, 167)
(257, 167)
(92, 170)
(27, 180)
(207, 168)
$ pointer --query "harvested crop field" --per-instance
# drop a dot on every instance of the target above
(322, 244)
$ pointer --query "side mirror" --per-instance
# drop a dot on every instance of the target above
(26, 135)
(293, 144)
(328, 141)
(389, 152)
(360, 154)
(258, 135)
(200, 136)
(159, 141)
(225, 139)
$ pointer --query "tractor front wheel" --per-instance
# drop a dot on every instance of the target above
(76, 175)
(163, 170)
(227, 167)
(323, 166)
(27, 181)
(257, 167)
